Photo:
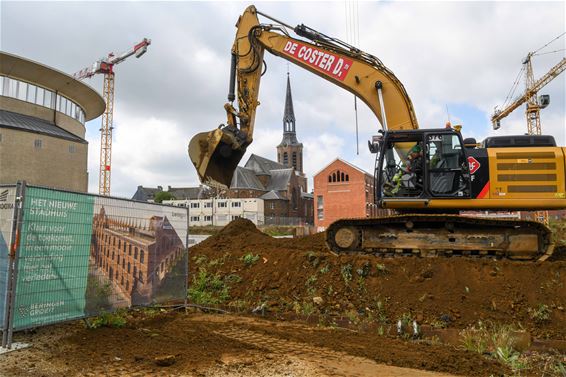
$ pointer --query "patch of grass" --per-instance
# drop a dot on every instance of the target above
(114, 320)
(249, 259)
(346, 272)
(311, 280)
(540, 314)
(208, 289)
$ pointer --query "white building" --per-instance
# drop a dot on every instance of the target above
(221, 211)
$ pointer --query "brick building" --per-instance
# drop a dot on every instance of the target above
(342, 190)
(135, 256)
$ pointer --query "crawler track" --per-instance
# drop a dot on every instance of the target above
(441, 235)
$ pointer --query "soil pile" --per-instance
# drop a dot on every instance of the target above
(248, 269)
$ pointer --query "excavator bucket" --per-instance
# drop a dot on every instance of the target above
(214, 156)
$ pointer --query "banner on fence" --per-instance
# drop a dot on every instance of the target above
(7, 209)
(81, 255)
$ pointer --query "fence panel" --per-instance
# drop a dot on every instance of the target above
(7, 211)
(83, 254)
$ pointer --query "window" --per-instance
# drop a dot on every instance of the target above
(208, 205)
(295, 160)
(129, 267)
(22, 90)
(320, 207)
(38, 143)
(272, 205)
(208, 218)
(222, 205)
(40, 96)
(140, 277)
(234, 217)
(141, 256)
(195, 218)
(236, 204)
(135, 253)
(31, 93)
(47, 98)
(195, 205)
(285, 158)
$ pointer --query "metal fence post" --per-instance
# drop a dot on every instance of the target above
(13, 264)
(188, 261)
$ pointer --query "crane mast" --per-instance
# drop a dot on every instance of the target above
(106, 67)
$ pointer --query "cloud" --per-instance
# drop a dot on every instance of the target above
(462, 54)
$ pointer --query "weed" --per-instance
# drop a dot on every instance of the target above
(311, 280)
(199, 259)
(362, 285)
(250, 259)
(541, 314)
(511, 358)
(325, 269)
(307, 309)
(330, 290)
(207, 289)
(106, 319)
(353, 316)
(233, 278)
(364, 270)
(346, 272)
(381, 268)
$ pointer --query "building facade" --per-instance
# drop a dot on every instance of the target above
(42, 124)
(220, 212)
(342, 190)
(135, 258)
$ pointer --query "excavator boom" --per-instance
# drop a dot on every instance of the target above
(216, 154)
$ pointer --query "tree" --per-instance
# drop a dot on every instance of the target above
(163, 195)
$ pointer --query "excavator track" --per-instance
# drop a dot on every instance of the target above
(441, 235)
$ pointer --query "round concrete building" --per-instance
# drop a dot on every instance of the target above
(42, 124)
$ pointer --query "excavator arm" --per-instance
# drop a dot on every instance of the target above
(216, 154)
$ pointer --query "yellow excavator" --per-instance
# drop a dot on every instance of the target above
(426, 175)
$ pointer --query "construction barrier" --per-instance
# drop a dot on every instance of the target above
(67, 255)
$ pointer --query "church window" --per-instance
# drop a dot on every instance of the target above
(347, 178)
(295, 160)
(341, 177)
(285, 158)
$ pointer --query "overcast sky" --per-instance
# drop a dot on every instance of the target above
(463, 56)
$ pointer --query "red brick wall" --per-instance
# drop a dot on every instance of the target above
(342, 199)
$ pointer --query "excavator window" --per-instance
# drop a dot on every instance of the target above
(402, 173)
(447, 166)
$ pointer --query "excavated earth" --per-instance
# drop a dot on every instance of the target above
(457, 291)
(298, 310)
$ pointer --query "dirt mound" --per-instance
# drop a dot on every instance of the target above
(237, 227)
(301, 277)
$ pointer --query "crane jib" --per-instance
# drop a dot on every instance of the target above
(331, 64)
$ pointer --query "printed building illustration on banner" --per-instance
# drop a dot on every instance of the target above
(135, 255)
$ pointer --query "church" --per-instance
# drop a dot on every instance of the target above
(282, 184)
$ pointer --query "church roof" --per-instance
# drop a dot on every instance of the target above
(245, 178)
(273, 195)
(261, 165)
(280, 179)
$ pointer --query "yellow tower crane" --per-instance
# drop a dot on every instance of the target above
(533, 103)
(106, 66)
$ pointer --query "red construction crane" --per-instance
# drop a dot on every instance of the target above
(106, 66)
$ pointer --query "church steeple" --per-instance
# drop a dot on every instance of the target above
(289, 114)
(290, 151)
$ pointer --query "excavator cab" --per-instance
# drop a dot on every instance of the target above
(420, 165)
